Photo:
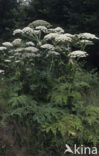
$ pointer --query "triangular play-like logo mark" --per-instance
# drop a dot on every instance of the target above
(68, 149)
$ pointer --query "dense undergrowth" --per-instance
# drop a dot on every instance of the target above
(47, 99)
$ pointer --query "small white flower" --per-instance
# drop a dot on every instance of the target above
(1, 71)
(7, 44)
(87, 42)
(11, 57)
(48, 46)
(17, 31)
(17, 41)
(51, 36)
(7, 61)
(87, 36)
(51, 52)
(63, 38)
(78, 53)
(27, 30)
(3, 48)
(17, 61)
(69, 35)
(30, 43)
(57, 30)
(84, 41)
(29, 55)
(19, 50)
(42, 28)
(31, 49)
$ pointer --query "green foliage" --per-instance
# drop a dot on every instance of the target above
(79, 128)
(45, 93)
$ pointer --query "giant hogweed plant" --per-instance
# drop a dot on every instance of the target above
(45, 85)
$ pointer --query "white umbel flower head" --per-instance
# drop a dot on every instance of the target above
(11, 57)
(7, 61)
(42, 28)
(19, 50)
(1, 71)
(3, 48)
(27, 30)
(87, 36)
(88, 42)
(52, 52)
(56, 30)
(78, 53)
(7, 44)
(17, 31)
(51, 36)
(63, 38)
(59, 29)
(48, 46)
(69, 35)
(30, 43)
(17, 42)
(17, 61)
(31, 49)
(27, 55)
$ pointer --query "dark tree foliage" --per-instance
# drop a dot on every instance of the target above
(7, 17)
(76, 15)
(84, 15)
(54, 11)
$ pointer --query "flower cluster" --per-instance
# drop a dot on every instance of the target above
(27, 30)
(51, 36)
(77, 53)
(30, 43)
(63, 38)
(1, 71)
(7, 61)
(88, 42)
(42, 28)
(48, 46)
(17, 31)
(7, 44)
(17, 42)
(87, 36)
(3, 48)
(31, 49)
(58, 37)
(19, 49)
(52, 52)
(42, 42)
(56, 30)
